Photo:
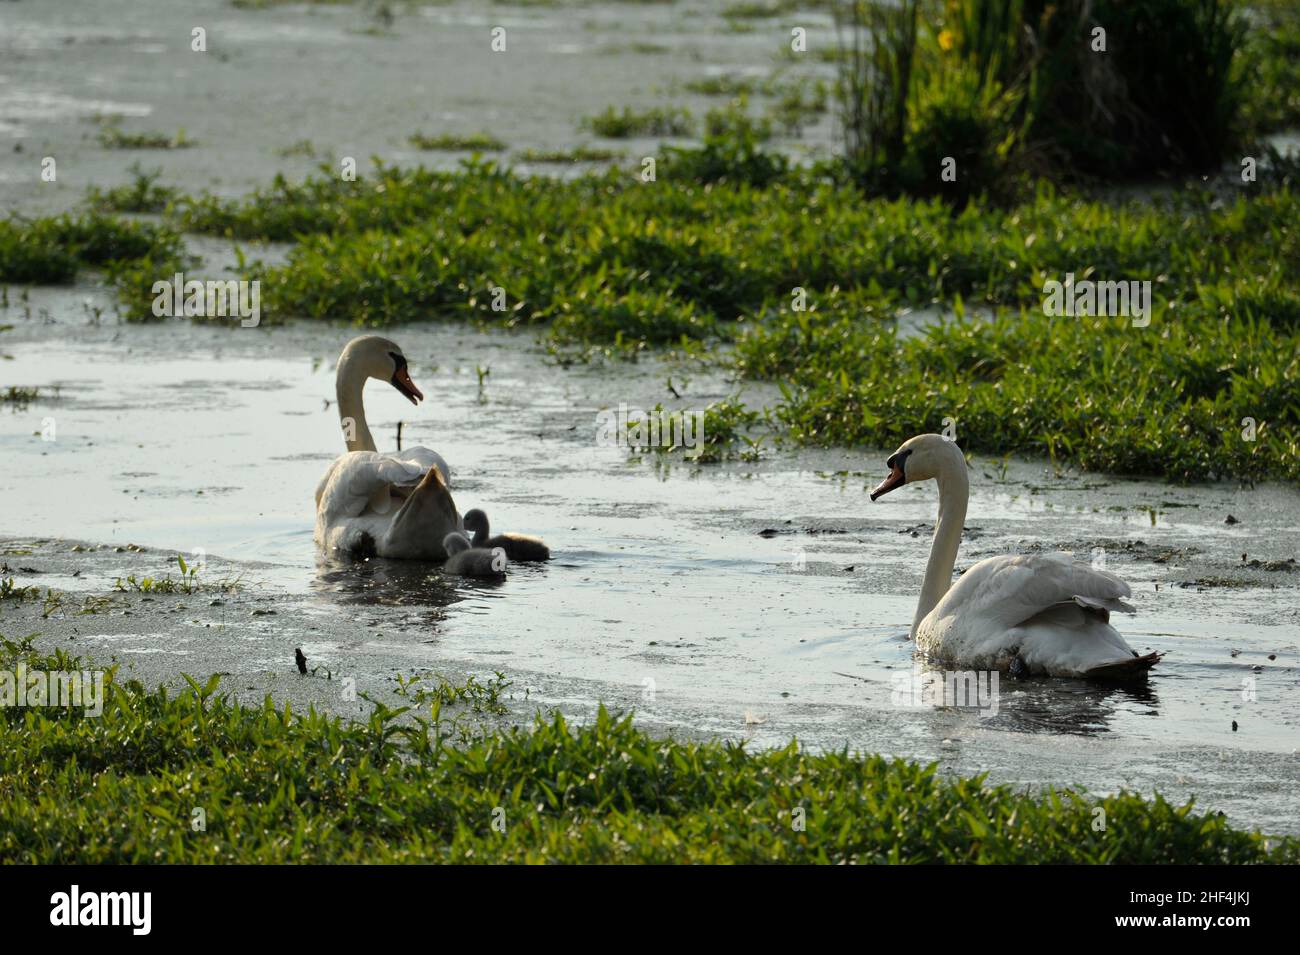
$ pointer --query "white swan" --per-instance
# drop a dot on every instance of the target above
(386, 505)
(1033, 614)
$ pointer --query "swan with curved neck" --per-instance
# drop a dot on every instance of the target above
(369, 356)
(1034, 614)
(382, 504)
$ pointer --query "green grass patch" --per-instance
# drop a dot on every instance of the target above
(9, 590)
(50, 251)
(722, 245)
(798, 105)
(19, 396)
(723, 85)
(627, 122)
(641, 48)
(114, 138)
(575, 155)
(1271, 67)
(452, 142)
(718, 432)
(1103, 397)
(271, 786)
(735, 122)
(303, 147)
(187, 583)
(268, 4)
(767, 9)
(142, 196)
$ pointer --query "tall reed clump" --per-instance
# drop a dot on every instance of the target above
(961, 97)
(874, 86)
(1164, 96)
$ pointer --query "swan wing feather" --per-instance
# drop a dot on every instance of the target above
(1049, 601)
(358, 480)
(1011, 589)
(424, 458)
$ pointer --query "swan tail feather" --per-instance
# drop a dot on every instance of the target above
(424, 520)
(1134, 668)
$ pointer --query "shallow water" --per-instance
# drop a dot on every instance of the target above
(752, 601)
(273, 78)
(675, 589)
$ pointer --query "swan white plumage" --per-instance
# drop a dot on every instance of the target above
(1037, 614)
(388, 505)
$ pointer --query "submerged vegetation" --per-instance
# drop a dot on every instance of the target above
(625, 123)
(142, 195)
(450, 142)
(19, 396)
(576, 154)
(197, 777)
(113, 138)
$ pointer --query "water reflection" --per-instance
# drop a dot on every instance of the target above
(1070, 707)
(393, 583)
(1040, 705)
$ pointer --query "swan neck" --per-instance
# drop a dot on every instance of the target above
(348, 384)
(954, 491)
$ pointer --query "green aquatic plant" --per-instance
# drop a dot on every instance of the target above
(53, 603)
(267, 4)
(714, 433)
(19, 395)
(1069, 89)
(852, 384)
(574, 155)
(732, 153)
(874, 84)
(765, 9)
(632, 319)
(265, 784)
(735, 120)
(483, 699)
(142, 195)
(805, 276)
(51, 251)
(641, 47)
(452, 142)
(112, 137)
(798, 105)
(13, 591)
(302, 147)
(187, 583)
(1270, 67)
(627, 122)
(722, 85)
